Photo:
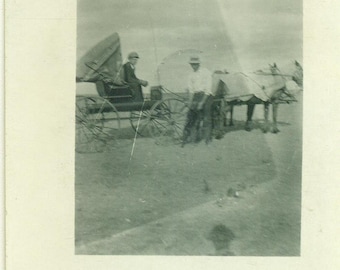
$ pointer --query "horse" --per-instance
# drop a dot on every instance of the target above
(274, 97)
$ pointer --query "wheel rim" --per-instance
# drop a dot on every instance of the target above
(140, 121)
(97, 123)
(167, 120)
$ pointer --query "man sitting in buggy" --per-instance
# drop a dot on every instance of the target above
(131, 79)
(124, 81)
(200, 104)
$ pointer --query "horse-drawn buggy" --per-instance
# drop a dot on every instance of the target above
(100, 111)
(162, 114)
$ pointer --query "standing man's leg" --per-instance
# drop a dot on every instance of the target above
(191, 120)
(207, 118)
(188, 126)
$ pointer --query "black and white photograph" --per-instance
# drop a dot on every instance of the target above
(159, 134)
(188, 128)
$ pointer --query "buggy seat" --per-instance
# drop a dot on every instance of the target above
(116, 93)
(122, 97)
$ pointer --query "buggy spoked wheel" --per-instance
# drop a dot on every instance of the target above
(167, 120)
(139, 121)
(97, 124)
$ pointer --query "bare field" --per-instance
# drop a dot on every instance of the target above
(164, 199)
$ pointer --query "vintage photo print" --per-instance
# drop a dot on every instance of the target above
(171, 134)
(188, 128)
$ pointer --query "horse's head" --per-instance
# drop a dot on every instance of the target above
(297, 64)
(295, 72)
(274, 69)
(298, 74)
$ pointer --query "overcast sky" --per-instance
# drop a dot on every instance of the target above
(233, 35)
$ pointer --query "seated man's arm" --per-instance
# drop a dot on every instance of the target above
(131, 77)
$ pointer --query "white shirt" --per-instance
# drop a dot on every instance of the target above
(200, 80)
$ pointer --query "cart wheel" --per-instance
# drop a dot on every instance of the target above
(139, 121)
(167, 120)
(97, 124)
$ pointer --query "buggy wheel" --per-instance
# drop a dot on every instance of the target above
(139, 121)
(97, 124)
(167, 120)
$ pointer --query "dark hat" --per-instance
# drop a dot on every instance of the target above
(133, 55)
(194, 60)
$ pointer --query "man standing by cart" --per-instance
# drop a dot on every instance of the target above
(131, 79)
(200, 102)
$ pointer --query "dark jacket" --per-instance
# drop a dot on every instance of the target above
(129, 74)
(132, 80)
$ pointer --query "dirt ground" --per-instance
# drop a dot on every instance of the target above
(165, 200)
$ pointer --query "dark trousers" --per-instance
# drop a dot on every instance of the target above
(199, 119)
(137, 93)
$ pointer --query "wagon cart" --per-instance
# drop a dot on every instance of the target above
(99, 114)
